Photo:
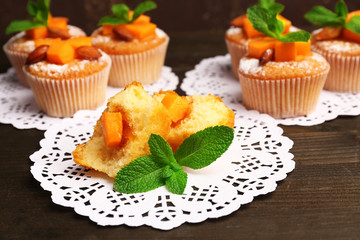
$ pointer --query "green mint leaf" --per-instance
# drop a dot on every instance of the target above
(341, 9)
(265, 21)
(167, 172)
(271, 5)
(160, 149)
(354, 24)
(204, 147)
(322, 16)
(43, 11)
(111, 20)
(32, 8)
(142, 8)
(141, 175)
(299, 36)
(22, 25)
(121, 11)
(176, 183)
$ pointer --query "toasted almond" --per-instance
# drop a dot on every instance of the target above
(55, 32)
(267, 56)
(327, 33)
(122, 34)
(37, 55)
(88, 53)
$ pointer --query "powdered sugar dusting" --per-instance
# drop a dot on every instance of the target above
(249, 66)
(234, 30)
(338, 46)
(75, 31)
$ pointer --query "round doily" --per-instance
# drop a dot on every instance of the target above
(214, 75)
(258, 157)
(18, 106)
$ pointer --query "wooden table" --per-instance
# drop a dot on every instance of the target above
(320, 199)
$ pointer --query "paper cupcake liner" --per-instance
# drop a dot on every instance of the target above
(282, 98)
(17, 60)
(344, 75)
(62, 98)
(144, 67)
(237, 51)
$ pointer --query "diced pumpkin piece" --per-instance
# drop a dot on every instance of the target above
(112, 127)
(238, 21)
(176, 106)
(350, 35)
(250, 30)
(80, 41)
(139, 30)
(46, 41)
(107, 29)
(59, 22)
(60, 52)
(257, 47)
(285, 51)
(37, 33)
(286, 22)
(303, 48)
(141, 19)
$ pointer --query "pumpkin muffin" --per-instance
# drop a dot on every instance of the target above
(280, 75)
(20, 45)
(122, 132)
(340, 45)
(67, 76)
(136, 46)
(242, 31)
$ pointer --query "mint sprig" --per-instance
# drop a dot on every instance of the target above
(271, 5)
(266, 22)
(121, 13)
(162, 167)
(324, 17)
(39, 12)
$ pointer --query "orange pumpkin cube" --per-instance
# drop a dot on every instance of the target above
(37, 33)
(285, 51)
(59, 22)
(238, 21)
(112, 128)
(257, 47)
(80, 41)
(46, 41)
(139, 30)
(250, 30)
(176, 106)
(60, 52)
(107, 29)
(303, 48)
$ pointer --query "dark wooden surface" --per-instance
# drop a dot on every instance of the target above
(320, 199)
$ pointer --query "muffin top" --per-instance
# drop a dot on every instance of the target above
(74, 69)
(309, 66)
(112, 45)
(21, 44)
(338, 46)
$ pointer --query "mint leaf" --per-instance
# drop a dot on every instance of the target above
(121, 11)
(141, 175)
(21, 25)
(43, 11)
(167, 172)
(176, 183)
(354, 24)
(264, 21)
(341, 9)
(299, 36)
(32, 8)
(142, 8)
(204, 147)
(111, 20)
(160, 149)
(271, 5)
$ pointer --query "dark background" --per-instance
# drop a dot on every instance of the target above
(320, 199)
(173, 16)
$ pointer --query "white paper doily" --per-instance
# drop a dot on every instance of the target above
(18, 106)
(258, 158)
(214, 75)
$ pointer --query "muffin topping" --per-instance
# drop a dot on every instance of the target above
(126, 25)
(337, 24)
(39, 54)
(43, 24)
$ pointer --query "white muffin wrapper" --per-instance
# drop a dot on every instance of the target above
(237, 51)
(344, 75)
(17, 60)
(62, 98)
(144, 67)
(282, 98)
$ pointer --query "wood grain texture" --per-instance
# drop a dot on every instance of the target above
(320, 199)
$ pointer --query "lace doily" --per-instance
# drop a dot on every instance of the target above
(18, 106)
(214, 75)
(258, 158)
